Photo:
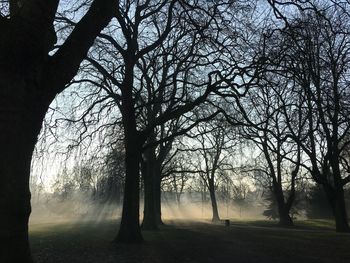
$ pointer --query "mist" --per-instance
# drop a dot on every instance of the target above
(79, 208)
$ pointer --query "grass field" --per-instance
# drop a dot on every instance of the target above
(181, 241)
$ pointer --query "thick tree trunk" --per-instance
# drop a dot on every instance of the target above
(130, 231)
(20, 124)
(29, 80)
(337, 202)
(214, 204)
(152, 183)
(149, 213)
(341, 218)
(285, 219)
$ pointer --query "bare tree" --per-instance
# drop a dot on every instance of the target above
(145, 28)
(153, 161)
(262, 122)
(31, 76)
(211, 149)
(183, 41)
(316, 58)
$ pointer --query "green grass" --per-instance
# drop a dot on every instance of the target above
(181, 241)
(315, 224)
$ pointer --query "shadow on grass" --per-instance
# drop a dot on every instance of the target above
(186, 242)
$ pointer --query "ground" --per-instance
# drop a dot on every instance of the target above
(190, 241)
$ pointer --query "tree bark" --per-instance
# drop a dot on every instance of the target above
(152, 183)
(149, 213)
(337, 203)
(130, 230)
(214, 204)
(285, 219)
(29, 81)
(20, 123)
(341, 217)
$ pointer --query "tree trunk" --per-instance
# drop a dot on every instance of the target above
(130, 231)
(29, 80)
(283, 212)
(284, 218)
(214, 204)
(149, 213)
(337, 202)
(152, 183)
(21, 119)
(341, 218)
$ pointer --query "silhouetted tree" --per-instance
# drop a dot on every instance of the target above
(173, 38)
(315, 57)
(262, 121)
(31, 75)
(210, 151)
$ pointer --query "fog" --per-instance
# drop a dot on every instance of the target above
(77, 210)
(55, 211)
